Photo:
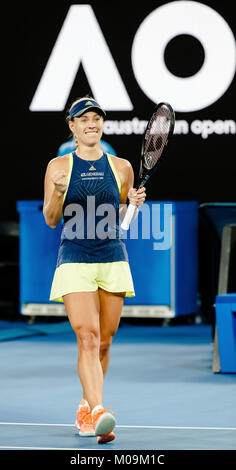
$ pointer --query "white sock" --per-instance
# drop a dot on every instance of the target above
(98, 407)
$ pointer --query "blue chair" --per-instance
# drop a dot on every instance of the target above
(225, 308)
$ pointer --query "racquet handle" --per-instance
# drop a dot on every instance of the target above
(128, 216)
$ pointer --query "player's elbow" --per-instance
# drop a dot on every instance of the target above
(49, 220)
(50, 223)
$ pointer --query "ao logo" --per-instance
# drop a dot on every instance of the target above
(73, 47)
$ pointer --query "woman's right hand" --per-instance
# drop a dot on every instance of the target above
(60, 180)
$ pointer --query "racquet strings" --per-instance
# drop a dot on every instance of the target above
(156, 136)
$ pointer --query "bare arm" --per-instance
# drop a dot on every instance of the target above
(127, 182)
(136, 197)
(55, 185)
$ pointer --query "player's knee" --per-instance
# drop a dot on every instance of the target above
(88, 338)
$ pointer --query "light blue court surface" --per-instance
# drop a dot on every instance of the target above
(160, 385)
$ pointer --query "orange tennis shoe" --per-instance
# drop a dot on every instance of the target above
(103, 423)
(84, 421)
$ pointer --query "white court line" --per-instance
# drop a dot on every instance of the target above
(128, 426)
(180, 427)
(45, 448)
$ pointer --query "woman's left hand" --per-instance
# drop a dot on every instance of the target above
(137, 196)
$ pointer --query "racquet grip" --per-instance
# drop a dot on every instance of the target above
(128, 216)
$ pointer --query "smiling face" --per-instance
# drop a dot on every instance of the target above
(87, 128)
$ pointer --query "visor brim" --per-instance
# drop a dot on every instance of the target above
(90, 108)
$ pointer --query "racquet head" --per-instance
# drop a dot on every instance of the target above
(158, 131)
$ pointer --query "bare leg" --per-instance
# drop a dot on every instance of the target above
(83, 309)
(110, 311)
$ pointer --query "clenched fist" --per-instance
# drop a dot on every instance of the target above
(60, 180)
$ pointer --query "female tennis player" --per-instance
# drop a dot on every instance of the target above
(89, 189)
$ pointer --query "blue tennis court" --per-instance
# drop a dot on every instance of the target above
(160, 385)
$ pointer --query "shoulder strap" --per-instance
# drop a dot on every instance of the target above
(114, 171)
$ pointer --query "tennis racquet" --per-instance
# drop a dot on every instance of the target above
(157, 134)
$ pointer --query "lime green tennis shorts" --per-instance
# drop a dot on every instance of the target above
(88, 277)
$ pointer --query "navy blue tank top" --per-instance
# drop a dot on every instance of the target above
(91, 231)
